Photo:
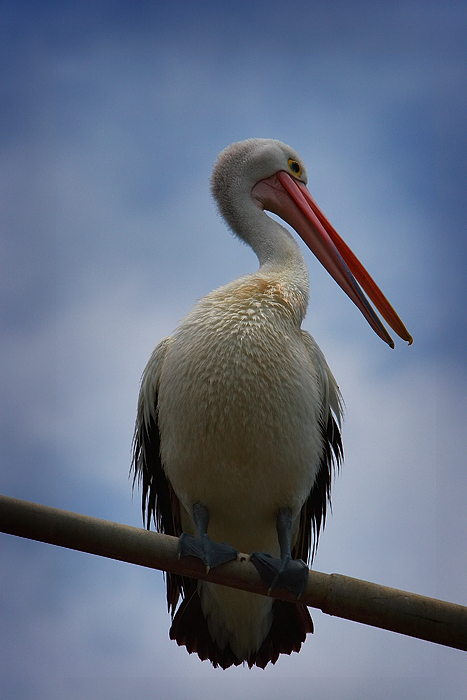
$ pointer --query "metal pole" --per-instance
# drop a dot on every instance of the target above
(406, 613)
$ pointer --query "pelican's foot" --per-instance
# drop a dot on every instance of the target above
(287, 572)
(211, 553)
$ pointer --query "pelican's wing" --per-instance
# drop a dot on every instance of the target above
(159, 502)
(313, 515)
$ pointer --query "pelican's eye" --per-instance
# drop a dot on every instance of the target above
(294, 167)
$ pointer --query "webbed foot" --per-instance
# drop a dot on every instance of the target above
(287, 572)
(211, 553)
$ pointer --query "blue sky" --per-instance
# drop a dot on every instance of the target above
(112, 116)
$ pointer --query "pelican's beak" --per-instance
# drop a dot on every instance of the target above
(290, 199)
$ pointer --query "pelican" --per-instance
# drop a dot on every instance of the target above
(237, 433)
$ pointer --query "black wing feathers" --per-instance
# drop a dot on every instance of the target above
(156, 491)
(313, 515)
(159, 502)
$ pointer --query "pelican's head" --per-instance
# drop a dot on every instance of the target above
(272, 176)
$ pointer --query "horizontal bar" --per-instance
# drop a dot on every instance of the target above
(369, 603)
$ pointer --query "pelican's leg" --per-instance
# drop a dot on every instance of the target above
(201, 546)
(287, 572)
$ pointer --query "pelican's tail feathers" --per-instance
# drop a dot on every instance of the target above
(290, 624)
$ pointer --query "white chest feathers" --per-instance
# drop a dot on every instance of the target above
(240, 401)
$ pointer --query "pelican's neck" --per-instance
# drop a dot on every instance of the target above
(278, 253)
